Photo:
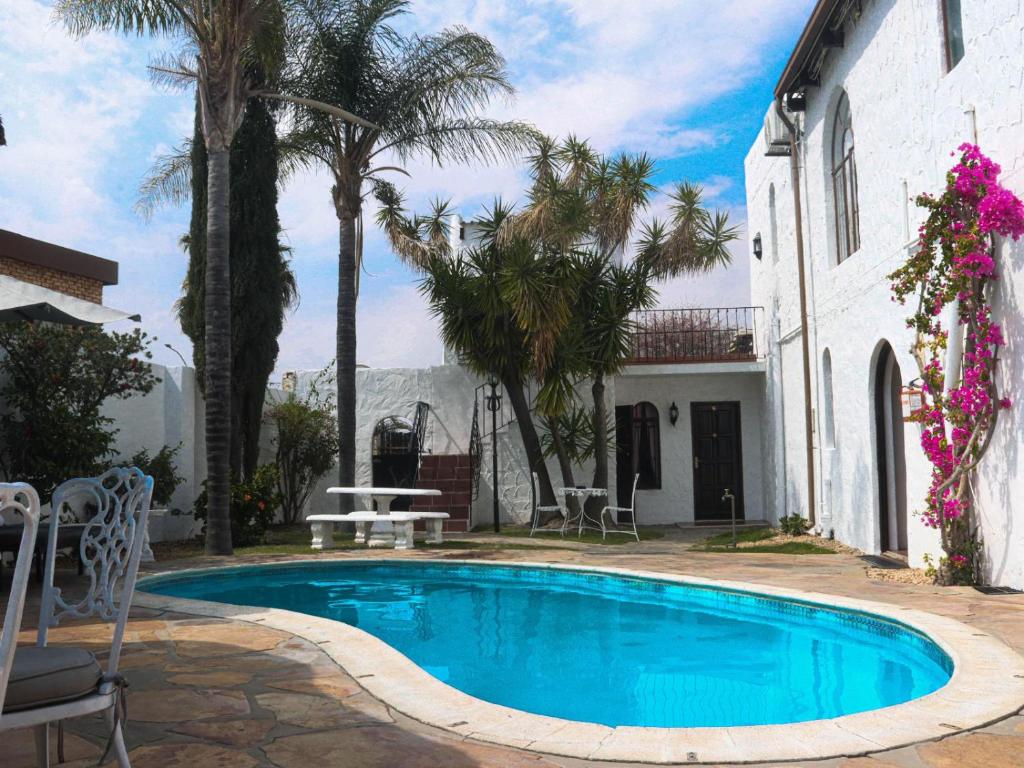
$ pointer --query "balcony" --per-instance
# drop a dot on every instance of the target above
(716, 335)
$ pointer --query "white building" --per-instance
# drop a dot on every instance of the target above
(880, 92)
(688, 412)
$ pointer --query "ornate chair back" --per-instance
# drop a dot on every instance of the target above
(19, 502)
(110, 549)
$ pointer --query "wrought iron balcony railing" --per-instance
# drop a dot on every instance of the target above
(719, 334)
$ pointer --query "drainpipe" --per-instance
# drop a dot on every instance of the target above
(955, 339)
(794, 170)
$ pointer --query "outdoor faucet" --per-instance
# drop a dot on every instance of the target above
(732, 505)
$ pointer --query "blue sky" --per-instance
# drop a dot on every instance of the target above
(687, 81)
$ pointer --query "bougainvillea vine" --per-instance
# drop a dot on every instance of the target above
(954, 268)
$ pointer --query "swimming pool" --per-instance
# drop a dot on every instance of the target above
(603, 648)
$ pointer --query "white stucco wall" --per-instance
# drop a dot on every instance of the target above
(172, 414)
(381, 392)
(908, 115)
(166, 416)
(673, 502)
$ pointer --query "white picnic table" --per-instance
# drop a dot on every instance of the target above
(381, 523)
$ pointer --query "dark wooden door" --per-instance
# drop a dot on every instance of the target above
(717, 459)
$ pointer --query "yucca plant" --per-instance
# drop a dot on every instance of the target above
(583, 210)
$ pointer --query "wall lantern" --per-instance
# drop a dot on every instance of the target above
(758, 249)
(673, 414)
(912, 400)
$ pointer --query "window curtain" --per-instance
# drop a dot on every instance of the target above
(646, 445)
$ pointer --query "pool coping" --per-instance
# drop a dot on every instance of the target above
(987, 684)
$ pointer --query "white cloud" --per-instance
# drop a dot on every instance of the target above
(83, 123)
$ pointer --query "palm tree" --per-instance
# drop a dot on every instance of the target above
(424, 93)
(225, 41)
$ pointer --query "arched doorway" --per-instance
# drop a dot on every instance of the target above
(395, 457)
(889, 455)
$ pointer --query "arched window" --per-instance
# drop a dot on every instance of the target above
(953, 23)
(646, 445)
(844, 183)
(773, 223)
(829, 408)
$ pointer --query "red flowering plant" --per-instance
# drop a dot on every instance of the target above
(955, 267)
(254, 505)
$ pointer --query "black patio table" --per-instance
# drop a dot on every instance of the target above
(68, 535)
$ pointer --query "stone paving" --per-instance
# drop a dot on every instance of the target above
(225, 694)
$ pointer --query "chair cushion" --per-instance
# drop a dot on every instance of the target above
(42, 676)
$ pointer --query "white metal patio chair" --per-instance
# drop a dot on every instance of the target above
(60, 682)
(19, 503)
(538, 508)
(613, 514)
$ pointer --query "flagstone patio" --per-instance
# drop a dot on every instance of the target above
(221, 693)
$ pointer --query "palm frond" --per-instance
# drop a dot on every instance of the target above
(417, 239)
(129, 16)
(169, 182)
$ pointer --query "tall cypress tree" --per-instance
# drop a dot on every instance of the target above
(262, 283)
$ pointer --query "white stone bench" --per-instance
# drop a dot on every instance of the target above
(435, 524)
(323, 526)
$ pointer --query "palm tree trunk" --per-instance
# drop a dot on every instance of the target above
(346, 353)
(565, 465)
(528, 432)
(600, 441)
(218, 354)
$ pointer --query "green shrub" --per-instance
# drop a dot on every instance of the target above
(307, 447)
(163, 471)
(54, 380)
(793, 525)
(253, 506)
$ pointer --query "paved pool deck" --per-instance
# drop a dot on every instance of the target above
(229, 694)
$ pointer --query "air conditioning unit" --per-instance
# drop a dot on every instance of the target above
(776, 136)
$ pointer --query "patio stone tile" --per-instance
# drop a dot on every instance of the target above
(880, 761)
(133, 657)
(19, 749)
(219, 678)
(307, 711)
(223, 638)
(974, 750)
(234, 733)
(369, 707)
(391, 747)
(335, 686)
(171, 706)
(190, 755)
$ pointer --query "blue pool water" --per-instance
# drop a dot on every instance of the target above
(603, 648)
